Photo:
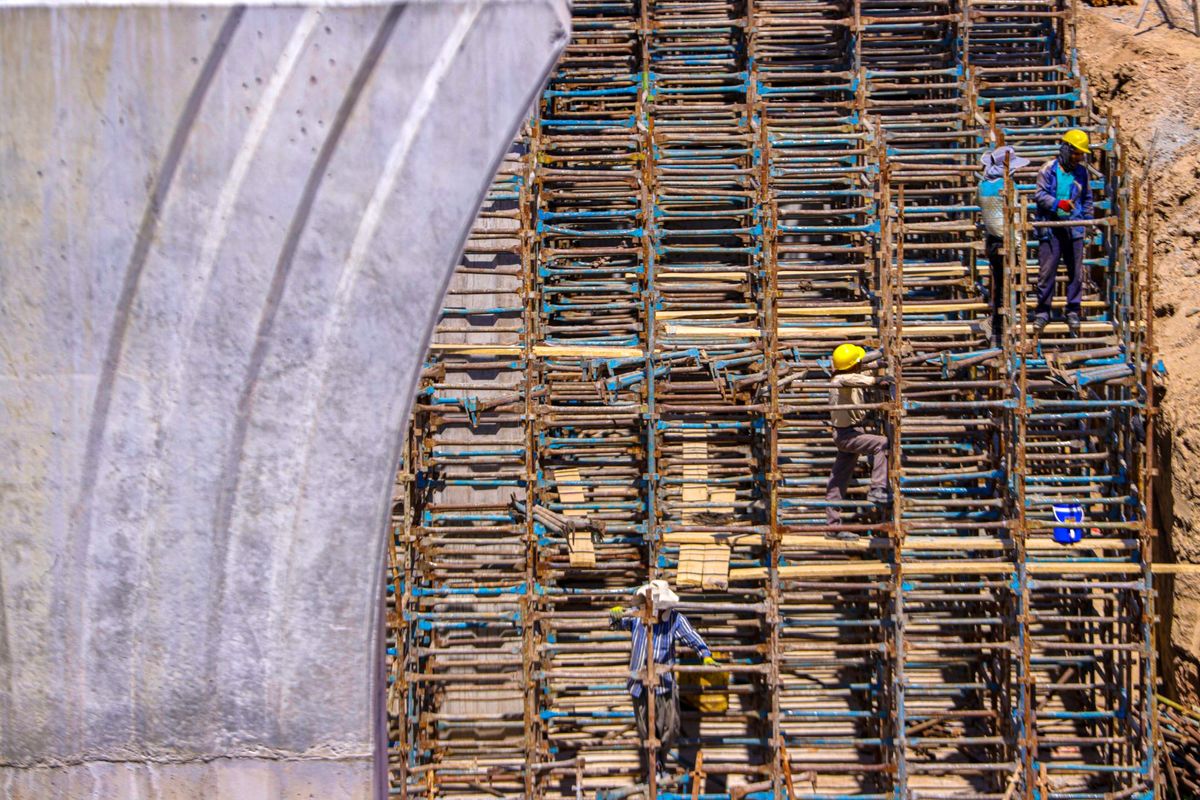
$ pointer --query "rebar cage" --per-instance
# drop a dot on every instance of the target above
(630, 380)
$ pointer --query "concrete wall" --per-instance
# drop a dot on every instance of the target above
(224, 234)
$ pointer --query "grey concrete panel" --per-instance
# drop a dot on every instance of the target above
(224, 236)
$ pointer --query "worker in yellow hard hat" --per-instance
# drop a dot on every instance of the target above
(849, 438)
(1063, 193)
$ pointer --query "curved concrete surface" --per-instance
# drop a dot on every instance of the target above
(224, 235)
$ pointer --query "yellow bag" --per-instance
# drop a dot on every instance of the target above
(709, 690)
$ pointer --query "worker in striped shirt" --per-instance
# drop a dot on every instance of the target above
(671, 626)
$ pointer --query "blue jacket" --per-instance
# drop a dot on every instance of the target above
(1045, 196)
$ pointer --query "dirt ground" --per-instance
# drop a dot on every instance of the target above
(1150, 78)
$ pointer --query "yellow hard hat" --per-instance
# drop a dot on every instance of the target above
(1078, 139)
(846, 356)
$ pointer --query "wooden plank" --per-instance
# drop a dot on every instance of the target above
(957, 568)
(1061, 327)
(695, 471)
(721, 498)
(909, 308)
(820, 311)
(580, 549)
(691, 566)
(716, 566)
(675, 329)
(570, 495)
(844, 569)
(476, 349)
(1081, 568)
(953, 543)
(851, 331)
(860, 568)
(546, 350)
(577, 351)
(869, 332)
(707, 313)
(1175, 569)
(960, 543)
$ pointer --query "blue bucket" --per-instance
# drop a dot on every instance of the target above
(1068, 512)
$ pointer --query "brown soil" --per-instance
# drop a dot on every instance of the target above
(1150, 80)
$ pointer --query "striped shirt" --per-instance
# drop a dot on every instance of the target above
(674, 628)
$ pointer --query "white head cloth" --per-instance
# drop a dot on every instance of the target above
(660, 593)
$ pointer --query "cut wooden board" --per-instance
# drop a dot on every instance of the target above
(572, 497)
(676, 329)
(871, 568)
(691, 566)
(581, 550)
(545, 350)
(721, 499)
(578, 351)
(695, 471)
(704, 566)
(476, 349)
(1175, 569)
(716, 566)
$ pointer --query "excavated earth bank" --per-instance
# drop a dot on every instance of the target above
(1151, 81)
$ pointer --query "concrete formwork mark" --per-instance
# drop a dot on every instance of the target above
(175, 659)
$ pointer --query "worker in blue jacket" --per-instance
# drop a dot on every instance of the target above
(1062, 194)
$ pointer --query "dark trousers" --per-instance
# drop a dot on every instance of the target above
(1059, 247)
(851, 443)
(666, 719)
(993, 245)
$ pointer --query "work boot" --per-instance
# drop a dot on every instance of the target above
(1073, 323)
(1039, 323)
(881, 496)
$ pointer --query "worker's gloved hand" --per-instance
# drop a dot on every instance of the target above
(1066, 206)
(709, 661)
(885, 380)
(616, 612)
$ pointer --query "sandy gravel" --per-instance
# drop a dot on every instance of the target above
(1150, 78)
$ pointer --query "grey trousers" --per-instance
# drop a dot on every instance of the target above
(666, 719)
(851, 443)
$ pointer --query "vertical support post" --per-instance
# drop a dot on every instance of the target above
(649, 298)
(529, 610)
(1149, 469)
(895, 268)
(789, 780)
(886, 316)
(896, 284)
(649, 414)
(400, 687)
(1017, 228)
(698, 776)
(777, 750)
(650, 693)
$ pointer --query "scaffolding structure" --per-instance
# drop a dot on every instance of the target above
(630, 380)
